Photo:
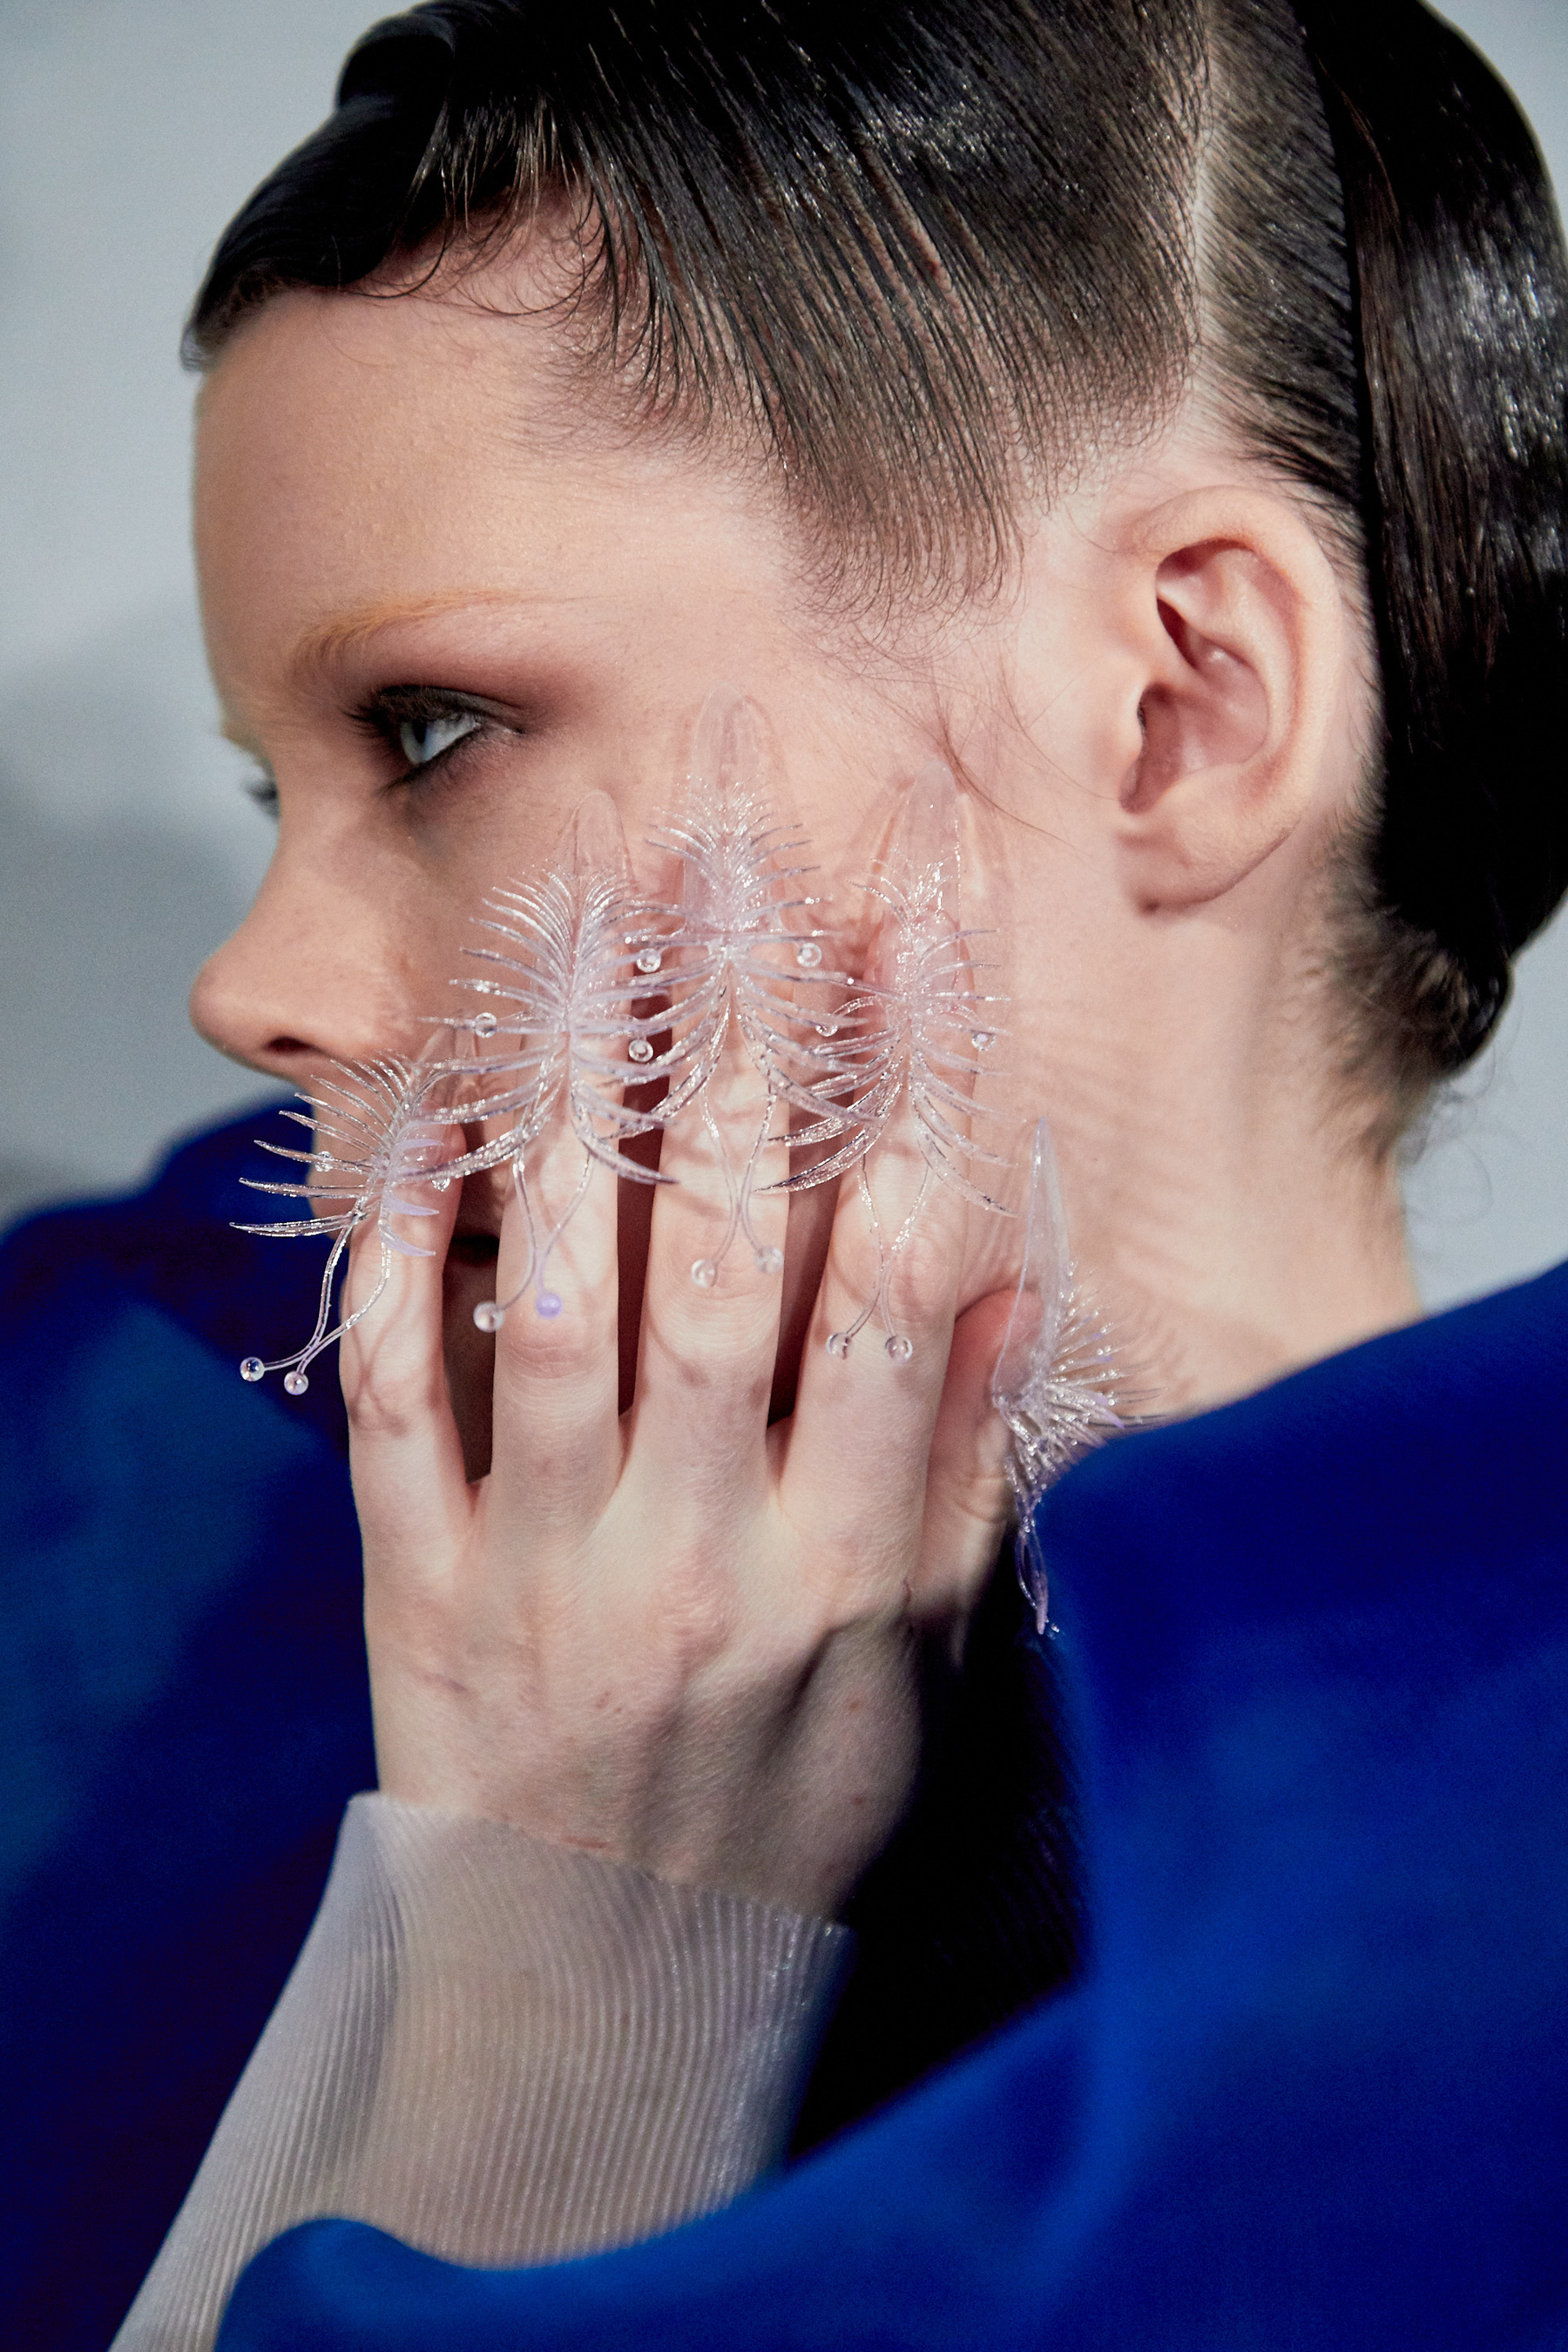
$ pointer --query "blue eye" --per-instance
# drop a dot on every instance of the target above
(420, 741)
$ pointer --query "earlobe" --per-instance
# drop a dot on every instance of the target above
(1240, 617)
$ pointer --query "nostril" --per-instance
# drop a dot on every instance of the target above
(289, 1046)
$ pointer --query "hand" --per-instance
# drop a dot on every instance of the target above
(678, 1637)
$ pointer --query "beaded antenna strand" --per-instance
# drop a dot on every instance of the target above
(750, 957)
(378, 1128)
(914, 1036)
(581, 950)
(611, 1012)
(1057, 1384)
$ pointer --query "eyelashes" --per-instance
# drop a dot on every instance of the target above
(426, 727)
(423, 727)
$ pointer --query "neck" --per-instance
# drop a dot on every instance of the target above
(1230, 1224)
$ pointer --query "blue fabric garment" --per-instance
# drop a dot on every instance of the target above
(185, 1704)
(1313, 2090)
(186, 1713)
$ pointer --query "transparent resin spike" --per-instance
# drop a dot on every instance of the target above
(558, 1034)
(916, 1036)
(378, 1128)
(751, 956)
(1057, 1384)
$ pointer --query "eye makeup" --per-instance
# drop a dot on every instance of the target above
(424, 727)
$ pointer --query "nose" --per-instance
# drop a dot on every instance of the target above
(309, 976)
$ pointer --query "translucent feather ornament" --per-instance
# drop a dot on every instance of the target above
(581, 949)
(914, 1036)
(378, 1128)
(749, 957)
(1057, 1385)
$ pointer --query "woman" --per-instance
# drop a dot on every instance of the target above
(1098, 399)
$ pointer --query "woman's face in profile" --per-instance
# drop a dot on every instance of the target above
(440, 609)
(444, 601)
(448, 594)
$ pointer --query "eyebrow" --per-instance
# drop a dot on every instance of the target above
(325, 646)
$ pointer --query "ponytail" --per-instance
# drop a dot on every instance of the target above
(1460, 309)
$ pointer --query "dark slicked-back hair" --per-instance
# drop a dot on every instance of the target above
(931, 251)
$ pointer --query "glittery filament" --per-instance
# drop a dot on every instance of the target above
(750, 956)
(581, 949)
(378, 1128)
(899, 1347)
(602, 1015)
(1057, 1385)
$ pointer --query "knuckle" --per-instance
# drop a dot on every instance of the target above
(546, 1351)
(384, 1404)
(535, 1350)
(927, 1267)
(698, 1618)
(725, 1356)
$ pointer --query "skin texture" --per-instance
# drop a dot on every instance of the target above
(604, 1599)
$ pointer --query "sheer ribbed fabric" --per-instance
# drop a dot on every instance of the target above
(502, 2052)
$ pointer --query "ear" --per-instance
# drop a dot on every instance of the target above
(1242, 642)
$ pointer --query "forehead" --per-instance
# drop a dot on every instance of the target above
(356, 452)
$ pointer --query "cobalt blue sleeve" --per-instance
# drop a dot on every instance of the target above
(186, 1704)
(1311, 2089)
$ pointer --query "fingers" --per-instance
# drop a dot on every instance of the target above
(868, 1397)
(404, 1453)
(712, 1305)
(556, 1447)
(877, 1355)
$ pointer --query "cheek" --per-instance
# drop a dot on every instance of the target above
(388, 921)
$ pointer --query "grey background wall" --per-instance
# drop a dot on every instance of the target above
(129, 129)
